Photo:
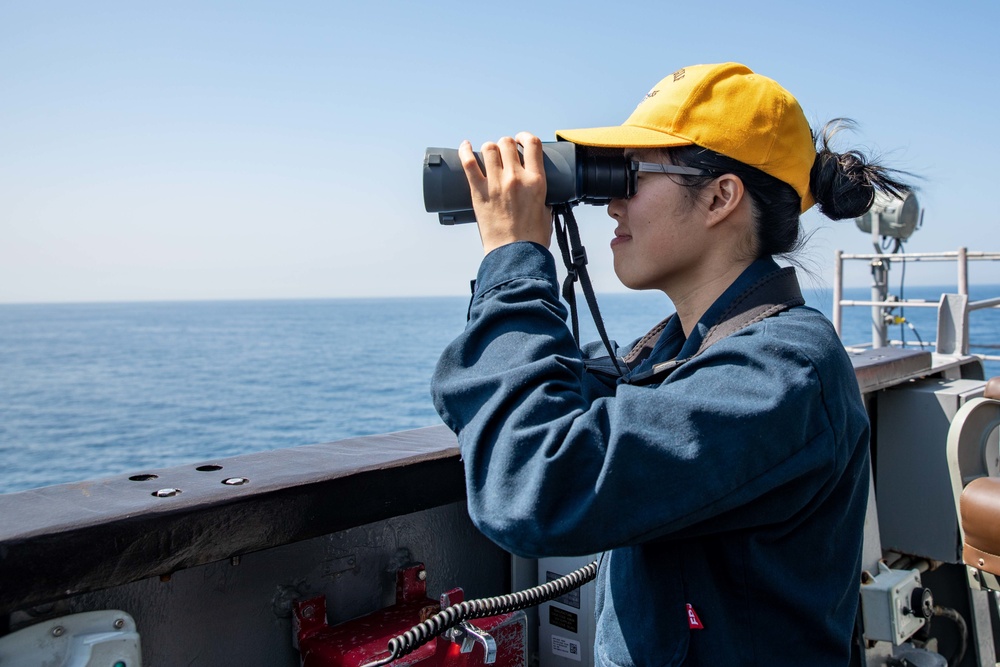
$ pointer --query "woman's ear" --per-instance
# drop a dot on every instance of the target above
(727, 195)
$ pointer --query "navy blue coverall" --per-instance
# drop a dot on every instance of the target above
(738, 485)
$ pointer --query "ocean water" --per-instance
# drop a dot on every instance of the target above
(91, 390)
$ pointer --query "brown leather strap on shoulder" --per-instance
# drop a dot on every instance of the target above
(768, 296)
(772, 294)
(645, 346)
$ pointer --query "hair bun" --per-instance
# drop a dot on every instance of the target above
(841, 185)
(844, 184)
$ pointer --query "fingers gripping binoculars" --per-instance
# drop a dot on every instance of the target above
(573, 174)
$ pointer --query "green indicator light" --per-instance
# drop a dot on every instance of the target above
(120, 664)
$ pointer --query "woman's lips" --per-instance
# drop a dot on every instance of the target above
(619, 239)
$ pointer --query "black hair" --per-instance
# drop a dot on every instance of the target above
(843, 185)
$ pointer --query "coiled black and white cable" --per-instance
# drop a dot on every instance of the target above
(449, 617)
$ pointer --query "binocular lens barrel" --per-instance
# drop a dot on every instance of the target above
(571, 175)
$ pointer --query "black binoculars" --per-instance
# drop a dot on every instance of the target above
(573, 174)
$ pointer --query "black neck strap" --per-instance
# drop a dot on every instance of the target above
(575, 258)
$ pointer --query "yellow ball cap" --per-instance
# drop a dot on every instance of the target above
(726, 108)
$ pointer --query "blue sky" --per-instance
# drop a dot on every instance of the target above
(209, 150)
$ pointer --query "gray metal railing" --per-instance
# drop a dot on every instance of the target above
(953, 309)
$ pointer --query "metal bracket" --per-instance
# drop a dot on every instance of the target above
(953, 324)
(466, 635)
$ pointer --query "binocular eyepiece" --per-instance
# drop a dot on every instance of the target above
(572, 175)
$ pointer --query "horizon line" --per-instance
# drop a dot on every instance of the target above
(942, 288)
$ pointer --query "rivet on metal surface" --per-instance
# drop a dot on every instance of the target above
(235, 481)
(119, 623)
(422, 575)
(166, 493)
(58, 631)
(308, 612)
(982, 562)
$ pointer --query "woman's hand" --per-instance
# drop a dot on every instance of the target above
(510, 199)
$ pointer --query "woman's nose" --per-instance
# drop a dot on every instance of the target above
(616, 208)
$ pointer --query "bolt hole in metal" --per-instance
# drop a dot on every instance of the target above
(143, 478)
(235, 481)
(165, 493)
(211, 467)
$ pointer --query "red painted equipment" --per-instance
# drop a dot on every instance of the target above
(497, 640)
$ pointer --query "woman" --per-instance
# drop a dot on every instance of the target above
(724, 478)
